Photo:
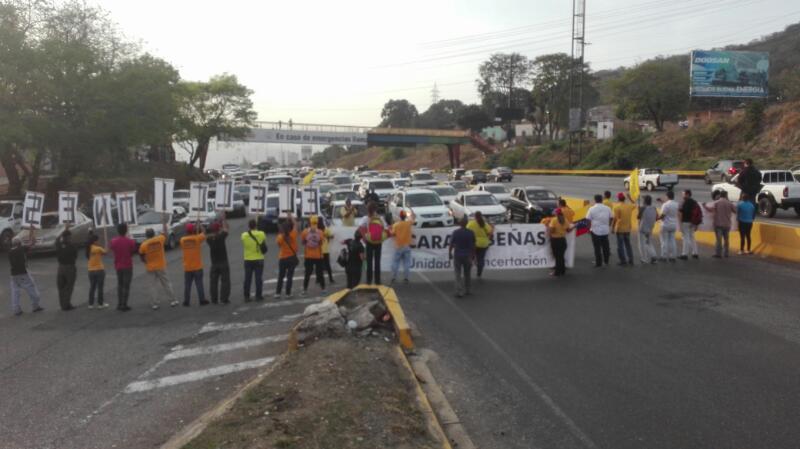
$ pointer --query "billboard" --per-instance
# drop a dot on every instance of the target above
(729, 74)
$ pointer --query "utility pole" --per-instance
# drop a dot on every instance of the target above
(576, 78)
(435, 94)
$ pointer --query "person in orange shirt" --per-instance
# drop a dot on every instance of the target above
(287, 256)
(312, 241)
(97, 271)
(402, 233)
(192, 246)
(151, 251)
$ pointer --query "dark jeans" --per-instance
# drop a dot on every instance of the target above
(65, 280)
(96, 281)
(624, 249)
(559, 247)
(253, 269)
(374, 262)
(314, 265)
(354, 275)
(326, 265)
(196, 278)
(602, 249)
(462, 265)
(124, 278)
(480, 256)
(286, 271)
(220, 282)
(744, 235)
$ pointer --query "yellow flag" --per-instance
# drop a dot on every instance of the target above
(633, 184)
(309, 177)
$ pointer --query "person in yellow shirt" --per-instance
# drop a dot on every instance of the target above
(192, 246)
(557, 230)
(152, 254)
(483, 238)
(97, 271)
(569, 214)
(348, 214)
(621, 225)
(402, 231)
(327, 235)
(254, 245)
(312, 241)
(607, 199)
(287, 256)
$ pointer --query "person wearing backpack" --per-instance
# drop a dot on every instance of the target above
(255, 246)
(373, 230)
(287, 257)
(312, 241)
(352, 259)
(691, 217)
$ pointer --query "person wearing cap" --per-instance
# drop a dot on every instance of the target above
(557, 229)
(151, 251)
(312, 241)
(20, 278)
(622, 224)
(402, 233)
(254, 244)
(192, 247)
(66, 254)
(220, 275)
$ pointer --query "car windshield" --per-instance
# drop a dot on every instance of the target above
(401, 182)
(481, 200)
(496, 189)
(340, 180)
(49, 221)
(280, 180)
(381, 185)
(423, 200)
(459, 185)
(503, 170)
(540, 195)
(180, 194)
(477, 173)
(422, 176)
(325, 188)
(444, 191)
(5, 210)
(150, 217)
(342, 196)
(738, 165)
(243, 189)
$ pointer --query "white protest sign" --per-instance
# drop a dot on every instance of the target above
(258, 197)
(309, 201)
(198, 197)
(514, 247)
(287, 195)
(224, 195)
(101, 208)
(126, 207)
(162, 194)
(32, 210)
(67, 207)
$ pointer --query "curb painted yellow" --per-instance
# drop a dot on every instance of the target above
(545, 171)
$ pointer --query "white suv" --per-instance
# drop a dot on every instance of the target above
(10, 221)
(429, 210)
(779, 189)
(467, 203)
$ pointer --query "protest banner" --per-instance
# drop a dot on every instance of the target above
(309, 201)
(198, 198)
(258, 198)
(67, 208)
(32, 210)
(224, 195)
(101, 210)
(287, 198)
(162, 193)
(126, 207)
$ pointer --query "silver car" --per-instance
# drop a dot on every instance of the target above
(152, 220)
(51, 229)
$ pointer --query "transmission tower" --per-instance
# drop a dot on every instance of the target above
(576, 77)
(435, 94)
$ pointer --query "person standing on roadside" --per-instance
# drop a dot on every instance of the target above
(600, 217)
(192, 246)
(355, 260)
(20, 278)
(569, 214)
(373, 230)
(312, 241)
(123, 248)
(348, 214)
(66, 254)
(402, 231)
(691, 216)
(483, 238)
(97, 271)
(327, 235)
(255, 246)
(749, 180)
(151, 251)
(723, 211)
(648, 215)
(745, 215)
(287, 256)
(557, 229)
(462, 253)
(622, 224)
(220, 275)
(607, 199)
(669, 225)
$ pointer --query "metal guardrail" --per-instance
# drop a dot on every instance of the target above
(545, 171)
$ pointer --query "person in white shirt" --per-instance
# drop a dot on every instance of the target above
(600, 217)
(669, 224)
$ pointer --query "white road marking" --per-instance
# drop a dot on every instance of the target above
(287, 302)
(205, 350)
(193, 376)
(275, 281)
(211, 327)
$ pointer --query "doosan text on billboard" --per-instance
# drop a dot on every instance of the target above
(729, 74)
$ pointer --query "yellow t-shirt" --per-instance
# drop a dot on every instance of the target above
(192, 246)
(402, 233)
(481, 234)
(623, 217)
(569, 214)
(327, 235)
(607, 202)
(96, 258)
(558, 230)
(349, 220)
(153, 252)
(251, 247)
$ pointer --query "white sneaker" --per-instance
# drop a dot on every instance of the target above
(277, 296)
(303, 293)
(154, 307)
(289, 296)
(91, 306)
(102, 306)
(173, 303)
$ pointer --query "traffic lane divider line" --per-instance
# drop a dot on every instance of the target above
(193, 376)
(283, 303)
(181, 352)
(211, 327)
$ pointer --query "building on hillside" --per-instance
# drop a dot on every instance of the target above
(496, 133)
(601, 122)
(523, 131)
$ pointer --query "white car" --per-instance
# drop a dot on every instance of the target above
(467, 203)
(779, 189)
(420, 177)
(429, 210)
(382, 187)
(499, 191)
(445, 192)
(10, 221)
(400, 183)
(152, 220)
(180, 197)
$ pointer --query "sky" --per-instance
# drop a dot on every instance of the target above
(338, 62)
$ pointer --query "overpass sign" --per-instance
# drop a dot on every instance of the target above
(306, 134)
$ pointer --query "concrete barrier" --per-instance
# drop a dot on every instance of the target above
(392, 304)
(623, 173)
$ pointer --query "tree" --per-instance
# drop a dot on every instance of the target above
(219, 107)
(328, 155)
(656, 89)
(441, 115)
(502, 79)
(399, 114)
(474, 118)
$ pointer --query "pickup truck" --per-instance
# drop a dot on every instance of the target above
(10, 221)
(652, 178)
(779, 189)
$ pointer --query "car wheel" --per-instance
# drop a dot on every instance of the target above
(5, 240)
(650, 187)
(172, 242)
(707, 180)
(766, 207)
